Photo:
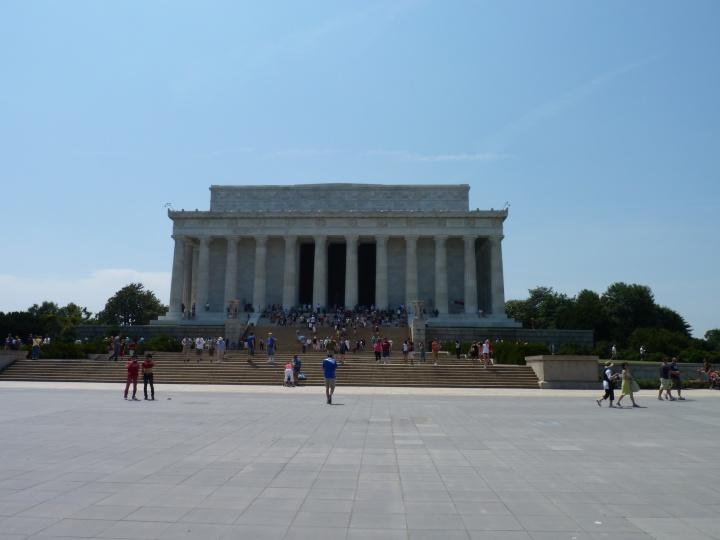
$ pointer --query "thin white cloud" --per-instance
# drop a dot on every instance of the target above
(439, 158)
(500, 140)
(92, 290)
(292, 153)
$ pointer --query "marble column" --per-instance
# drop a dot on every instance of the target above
(441, 282)
(290, 273)
(260, 283)
(497, 286)
(187, 285)
(177, 281)
(231, 269)
(320, 272)
(203, 279)
(193, 278)
(351, 271)
(381, 272)
(411, 276)
(471, 304)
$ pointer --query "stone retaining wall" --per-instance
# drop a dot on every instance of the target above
(581, 338)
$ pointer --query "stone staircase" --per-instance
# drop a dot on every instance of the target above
(359, 370)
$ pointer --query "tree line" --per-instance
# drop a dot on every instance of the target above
(625, 315)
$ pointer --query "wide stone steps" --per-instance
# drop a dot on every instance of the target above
(359, 370)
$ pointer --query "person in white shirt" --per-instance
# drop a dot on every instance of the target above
(608, 381)
(220, 345)
(199, 346)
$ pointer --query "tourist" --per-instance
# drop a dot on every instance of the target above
(613, 352)
(343, 351)
(405, 351)
(628, 387)
(329, 366)
(261, 344)
(271, 346)
(35, 350)
(377, 349)
(115, 349)
(386, 350)
(147, 371)
(642, 352)
(675, 378)
(133, 369)
(186, 346)
(665, 381)
(411, 352)
(457, 349)
(422, 352)
(608, 381)
(221, 346)
(251, 345)
(486, 353)
(435, 347)
(199, 346)
(288, 381)
(297, 366)
(211, 348)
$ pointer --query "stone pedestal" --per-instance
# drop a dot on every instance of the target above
(565, 371)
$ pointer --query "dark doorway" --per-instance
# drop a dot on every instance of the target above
(366, 274)
(307, 263)
(336, 275)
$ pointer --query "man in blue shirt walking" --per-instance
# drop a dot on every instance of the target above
(329, 367)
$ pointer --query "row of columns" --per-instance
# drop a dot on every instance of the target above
(191, 272)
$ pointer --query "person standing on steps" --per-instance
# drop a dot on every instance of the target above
(186, 345)
(435, 347)
(628, 387)
(329, 366)
(608, 381)
(297, 366)
(147, 371)
(133, 368)
(271, 346)
(199, 346)
(221, 346)
(458, 349)
(377, 349)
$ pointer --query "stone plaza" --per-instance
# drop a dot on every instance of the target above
(330, 245)
(273, 463)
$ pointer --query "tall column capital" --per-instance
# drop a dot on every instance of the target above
(204, 240)
(496, 239)
(352, 238)
(179, 237)
(469, 238)
(261, 240)
(440, 239)
(381, 239)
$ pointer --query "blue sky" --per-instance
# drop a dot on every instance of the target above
(597, 120)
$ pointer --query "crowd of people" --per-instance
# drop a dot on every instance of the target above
(361, 317)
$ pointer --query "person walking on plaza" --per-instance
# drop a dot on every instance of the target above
(628, 387)
(435, 347)
(675, 378)
(133, 368)
(147, 371)
(665, 381)
(608, 381)
(329, 366)
(271, 346)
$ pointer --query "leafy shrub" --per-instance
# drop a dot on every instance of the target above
(159, 343)
(65, 351)
(506, 352)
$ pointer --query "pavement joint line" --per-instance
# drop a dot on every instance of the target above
(168, 389)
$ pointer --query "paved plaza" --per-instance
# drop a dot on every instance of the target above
(78, 461)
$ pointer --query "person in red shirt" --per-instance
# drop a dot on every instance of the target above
(435, 347)
(132, 376)
(147, 370)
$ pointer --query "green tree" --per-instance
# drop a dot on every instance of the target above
(132, 305)
(713, 338)
(543, 308)
(628, 307)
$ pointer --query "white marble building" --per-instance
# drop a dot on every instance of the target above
(339, 244)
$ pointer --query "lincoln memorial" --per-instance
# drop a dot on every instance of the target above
(333, 245)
